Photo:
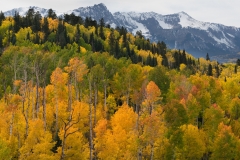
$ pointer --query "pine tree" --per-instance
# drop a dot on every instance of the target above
(37, 39)
(45, 29)
(111, 42)
(28, 36)
(77, 34)
(17, 22)
(36, 22)
(91, 41)
(209, 72)
(14, 39)
(101, 33)
(30, 17)
(117, 50)
(235, 69)
(2, 17)
(207, 57)
(238, 62)
(149, 60)
(51, 14)
(217, 71)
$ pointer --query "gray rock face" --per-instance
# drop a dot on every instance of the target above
(178, 30)
(96, 12)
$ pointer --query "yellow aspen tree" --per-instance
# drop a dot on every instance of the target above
(59, 80)
(193, 143)
(226, 145)
(120, 140)
(38, 144)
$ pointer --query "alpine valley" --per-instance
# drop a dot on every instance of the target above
(178, 30)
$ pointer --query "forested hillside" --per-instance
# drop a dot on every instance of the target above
(74, 88)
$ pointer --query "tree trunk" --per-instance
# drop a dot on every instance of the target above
(15, 69)
(63, 145)
(44, 108)
(11, 125)
(69, 96)
(76, 87)
(56, 111)
(33, 106)
(95, 103)
(139, 154)
(25, 113)
(152, 151)
(90, 120)
(105, 99)
(37, 90)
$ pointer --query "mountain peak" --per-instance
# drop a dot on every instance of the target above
(101, 5)
(183, 13)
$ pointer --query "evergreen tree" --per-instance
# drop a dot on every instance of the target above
(154, 62)
(1, 44)
(36, 26)
(77, 34)
(165, 61)
(149, 60)
(61, 35)
(51, 14)
(128, 50)
(87, 22)
(209, 72)
(101, 33)
(96, 30)
(207, 57)
(238, 62)
(139, 34)
(217, 71)
(28, 36)
(37, 39)
(111, 42)
(91, 41)
(45, 29)
(139, 59)
(2, 17)
(30, 17)
(177, 59)
(14, 39)
(184, 57)
(72, 19)
(17, 22)
(235, 69)
(117, 50)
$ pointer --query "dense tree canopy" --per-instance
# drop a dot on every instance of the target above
(76, 88)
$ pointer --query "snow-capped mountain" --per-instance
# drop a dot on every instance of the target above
(181, 31)
(178, 30)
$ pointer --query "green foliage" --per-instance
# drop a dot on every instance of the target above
(147, 101)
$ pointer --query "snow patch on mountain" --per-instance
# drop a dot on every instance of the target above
(165, 25)
(141, 27)
(187, 21)
(231, 35)
(131, 21)
(221, 40)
